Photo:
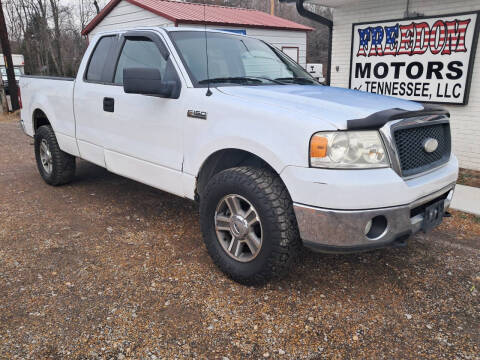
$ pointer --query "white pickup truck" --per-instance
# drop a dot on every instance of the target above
(274, 159)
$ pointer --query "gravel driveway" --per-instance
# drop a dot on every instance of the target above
(109, 268)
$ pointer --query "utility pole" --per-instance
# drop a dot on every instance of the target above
(7, 55)
(272, 7)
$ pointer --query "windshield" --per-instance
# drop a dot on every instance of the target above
(236, 59)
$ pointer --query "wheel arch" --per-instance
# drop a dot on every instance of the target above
(40, 110)
(39, 118)
(225, 159)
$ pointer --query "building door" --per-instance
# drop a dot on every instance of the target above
(291, 51)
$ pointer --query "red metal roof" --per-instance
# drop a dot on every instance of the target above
(189, 13)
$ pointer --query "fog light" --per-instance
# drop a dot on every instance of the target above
(377, 228)
(368, 227)
(448, 200)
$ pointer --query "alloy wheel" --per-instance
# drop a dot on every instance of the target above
(238, 228)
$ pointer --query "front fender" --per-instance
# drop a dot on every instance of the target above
(245, 144)
(277, 137)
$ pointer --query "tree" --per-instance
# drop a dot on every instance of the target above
(7, 54)
(48, 33)
(54, 6)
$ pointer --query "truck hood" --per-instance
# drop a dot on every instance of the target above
(335, 105)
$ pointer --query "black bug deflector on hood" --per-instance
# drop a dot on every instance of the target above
(380, 118)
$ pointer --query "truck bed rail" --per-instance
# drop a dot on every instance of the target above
(48, 77)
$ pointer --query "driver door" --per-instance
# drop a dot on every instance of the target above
(144, 141)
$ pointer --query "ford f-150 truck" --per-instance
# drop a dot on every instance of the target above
(274, 159)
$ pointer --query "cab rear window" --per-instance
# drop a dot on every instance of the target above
(99, 60)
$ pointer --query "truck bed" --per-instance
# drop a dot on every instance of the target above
(54, 95)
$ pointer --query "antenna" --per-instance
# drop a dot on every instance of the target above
(209, 92)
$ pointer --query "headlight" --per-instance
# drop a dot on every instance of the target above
(348, 149)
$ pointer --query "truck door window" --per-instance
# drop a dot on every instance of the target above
(138, 53)
(99, 60)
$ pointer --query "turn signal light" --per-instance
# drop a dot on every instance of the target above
(318, 146)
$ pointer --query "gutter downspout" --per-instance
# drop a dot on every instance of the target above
(324, 21)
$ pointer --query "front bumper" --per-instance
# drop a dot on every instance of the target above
(331, 230)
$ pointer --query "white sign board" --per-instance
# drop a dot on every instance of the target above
(316, 70)
(426, 59)
(17, 59)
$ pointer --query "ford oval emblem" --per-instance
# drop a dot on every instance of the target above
(430, 145)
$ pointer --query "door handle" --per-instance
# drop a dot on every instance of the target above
(108, 104)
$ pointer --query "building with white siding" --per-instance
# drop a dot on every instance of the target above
(126, 14)
(454, 77)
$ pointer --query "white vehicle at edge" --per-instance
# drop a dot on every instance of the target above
(274, 159)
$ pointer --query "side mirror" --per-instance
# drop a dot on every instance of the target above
(146, 81)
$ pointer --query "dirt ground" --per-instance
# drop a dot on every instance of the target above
(109, 268)
(469, 177)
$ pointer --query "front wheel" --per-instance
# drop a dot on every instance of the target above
(55, 166)
(248, 224)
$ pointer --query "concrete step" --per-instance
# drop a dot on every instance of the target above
(467, 199)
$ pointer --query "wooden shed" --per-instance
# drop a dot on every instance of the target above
(125, 14)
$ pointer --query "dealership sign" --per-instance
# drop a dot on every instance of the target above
(424, 59)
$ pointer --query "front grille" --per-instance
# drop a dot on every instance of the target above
(410, 147)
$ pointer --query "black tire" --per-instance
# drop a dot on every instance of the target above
(62, 164)
(281, 240)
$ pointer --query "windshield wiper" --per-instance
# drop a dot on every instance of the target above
(296, 80)
(239, 80)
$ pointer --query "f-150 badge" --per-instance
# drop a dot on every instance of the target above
(197, 114)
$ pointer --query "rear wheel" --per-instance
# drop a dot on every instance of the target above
(248, 224)
(55, 166)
